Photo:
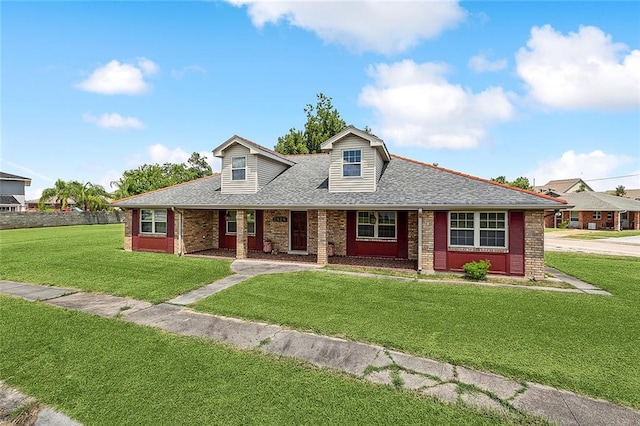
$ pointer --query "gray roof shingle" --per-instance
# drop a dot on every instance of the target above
(600, 201)
(404, 184)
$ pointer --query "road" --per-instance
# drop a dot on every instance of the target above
(623, 246)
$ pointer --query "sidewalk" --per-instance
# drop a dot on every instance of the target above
(446, 382)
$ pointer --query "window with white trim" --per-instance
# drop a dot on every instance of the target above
(478, 229)
(609, 215)
(372, 224)
(352, 163)
(153, 221)
(597, 215)
(238, 168)
(232, 222)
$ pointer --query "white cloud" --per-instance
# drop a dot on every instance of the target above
(162, 154)
(178, 74)
(120, 78)
(379, 26)
(592, 165)
(113, 121)
(583, 70)
(417, 106)
(480, 63)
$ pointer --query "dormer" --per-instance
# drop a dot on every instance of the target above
(247, 166)
(357, 160)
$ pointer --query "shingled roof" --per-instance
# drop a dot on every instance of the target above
(600, 201)
(404, 184)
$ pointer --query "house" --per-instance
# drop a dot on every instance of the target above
(563, 186)
(52, 203)
(12, 196)
(599, 210)
(353, 200)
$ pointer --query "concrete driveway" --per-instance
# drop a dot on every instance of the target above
(623, 246)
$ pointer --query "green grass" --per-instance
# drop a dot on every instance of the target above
(91, 258)
(583, 343)
(598, 235)
(103, 371)
(450, 277)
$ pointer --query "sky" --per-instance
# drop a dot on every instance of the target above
(546, 90)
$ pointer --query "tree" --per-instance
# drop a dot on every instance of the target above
(149, 177)
(90, 196)
(581, 188)
(520, 182)
(323, 121)
(621, 191)
(87, 195)
(61, 191)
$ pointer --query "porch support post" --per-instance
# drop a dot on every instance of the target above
(323, 259)
(428, 227)
(241, 234)
(636, 222)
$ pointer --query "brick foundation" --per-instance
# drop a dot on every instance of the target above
(277, 232)
(322, 237)
(337, 231)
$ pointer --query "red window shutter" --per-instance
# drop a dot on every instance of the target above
(440, 241)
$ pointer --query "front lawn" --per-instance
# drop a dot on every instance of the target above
(584, 343)
(104, 371)
(92, 258)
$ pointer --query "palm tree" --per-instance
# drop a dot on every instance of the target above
(61, 191)
(90, 196)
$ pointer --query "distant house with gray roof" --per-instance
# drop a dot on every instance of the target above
(563, 186)
(599, 210)
(353, 201)
(12, 192)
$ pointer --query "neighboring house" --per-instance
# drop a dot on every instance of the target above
(563, 186)
(51, 202)
(12, 192)
(353, 200)
(599, 210)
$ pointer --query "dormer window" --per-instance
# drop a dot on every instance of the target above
(238, 168)
(352, 163)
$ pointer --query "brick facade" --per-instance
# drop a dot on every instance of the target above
(128, 230)
(241, 234)
(428, 228)
(312, 231)
(199, 230)
(337, 231)
(277, 232)
(534, 245)
(322, 237)
(412, 218)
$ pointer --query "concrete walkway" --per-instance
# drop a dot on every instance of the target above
(31, 412)
(244, 269)
(443, 381)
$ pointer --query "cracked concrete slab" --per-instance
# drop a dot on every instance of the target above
(99, 304)
(502, 387)
(415, 381)
(324, 351)
(152, 315)
(208, 290)
(480, 400)
(256, 267)
(447, 392)
(383, 377)
(594, 412)
(33, 292)
(545, 402)
(422, 365)
(50, 417)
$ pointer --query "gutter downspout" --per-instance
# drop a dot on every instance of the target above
(419, 240)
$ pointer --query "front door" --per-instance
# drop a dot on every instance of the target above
(299, 231)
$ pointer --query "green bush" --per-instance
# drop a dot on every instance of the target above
(563, 225)
(476, 270)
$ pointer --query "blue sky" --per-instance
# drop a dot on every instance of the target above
(546, 90)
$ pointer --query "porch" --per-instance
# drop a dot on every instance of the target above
(369, 262)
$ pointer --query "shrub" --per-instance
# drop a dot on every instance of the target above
(563, 225)
(476, 270)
